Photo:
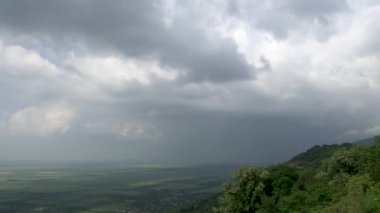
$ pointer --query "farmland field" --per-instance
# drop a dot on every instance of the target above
(107, 188)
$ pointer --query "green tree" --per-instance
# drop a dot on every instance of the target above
(282, 178)
(245, 192)
(373, 166)
(339, 178)
(349, 161)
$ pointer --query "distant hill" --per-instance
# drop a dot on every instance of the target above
(316, 154)
(368, 141)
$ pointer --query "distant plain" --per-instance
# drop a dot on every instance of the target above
(108, 188)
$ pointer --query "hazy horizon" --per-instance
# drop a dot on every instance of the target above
(187, 82)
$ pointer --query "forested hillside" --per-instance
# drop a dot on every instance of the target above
(329, 178)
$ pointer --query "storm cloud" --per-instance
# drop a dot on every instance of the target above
(185, 81)
(134, 28)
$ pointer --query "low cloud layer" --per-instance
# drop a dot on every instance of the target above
(188, 82)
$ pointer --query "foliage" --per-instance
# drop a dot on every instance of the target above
(349, 161)
(245, 192)
(332, 178)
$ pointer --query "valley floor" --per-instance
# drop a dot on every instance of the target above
(143, 188)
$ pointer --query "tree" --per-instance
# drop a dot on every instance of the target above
(347, 162)
(282, 178)
(245, 192)
(374, 160)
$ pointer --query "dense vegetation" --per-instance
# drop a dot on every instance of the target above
(330, 178)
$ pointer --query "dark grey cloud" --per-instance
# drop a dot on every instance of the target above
(281, 18)
(136, 28)
(218, 137)
(316, 9)
(186, 135)
(68, 63)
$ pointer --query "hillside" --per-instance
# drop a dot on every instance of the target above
(367, 141)
(328, 178)
(315, 155)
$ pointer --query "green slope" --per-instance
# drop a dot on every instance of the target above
(328, 178)
(315, 155)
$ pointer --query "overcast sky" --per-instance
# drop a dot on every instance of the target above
(216, 81)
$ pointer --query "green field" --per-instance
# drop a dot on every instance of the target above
(107, 188)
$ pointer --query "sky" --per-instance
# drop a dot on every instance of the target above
(176, 81)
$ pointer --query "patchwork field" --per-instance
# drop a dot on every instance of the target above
(108, 188)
